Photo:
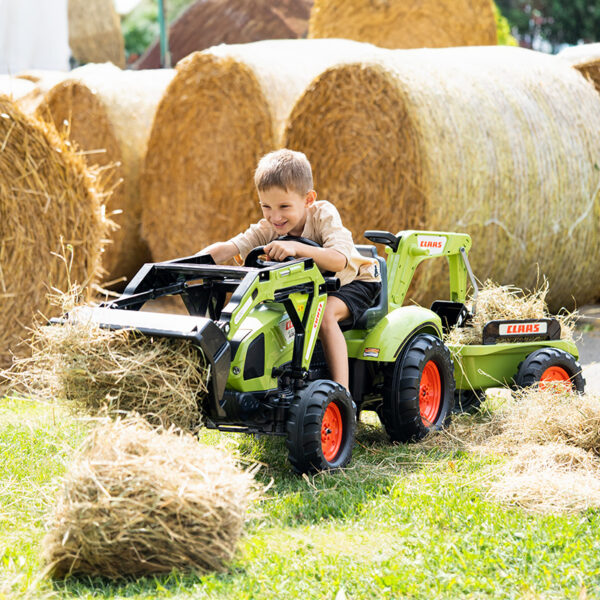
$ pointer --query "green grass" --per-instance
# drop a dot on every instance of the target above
(400, 522)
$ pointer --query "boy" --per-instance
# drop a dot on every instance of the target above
(289, 205)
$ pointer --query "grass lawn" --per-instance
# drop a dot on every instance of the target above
(400, 522)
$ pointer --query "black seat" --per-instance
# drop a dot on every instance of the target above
(372, 315)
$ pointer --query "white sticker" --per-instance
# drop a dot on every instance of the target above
(434, 243)
(243, 311)
(371, 352)
(313, 332)
(533, 328)
(287, 329)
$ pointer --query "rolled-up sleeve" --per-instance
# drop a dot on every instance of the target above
(258, 234)
(334, 234)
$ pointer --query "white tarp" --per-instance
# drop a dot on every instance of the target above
(34, 34)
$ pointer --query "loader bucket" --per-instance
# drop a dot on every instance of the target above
(198, 330)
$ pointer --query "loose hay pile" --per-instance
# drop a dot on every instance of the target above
(138, 501)
(207, 23)
(224, 109)
(406, 23)
(108, 113)
(50, 203)
(552, 440)
(497, 142)
(506, 302)
(96, 371)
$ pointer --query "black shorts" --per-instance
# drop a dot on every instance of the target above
(357, 296)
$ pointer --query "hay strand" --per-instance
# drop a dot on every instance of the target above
(137, 501)
(406, 23)
(497, 142)
(51, 204)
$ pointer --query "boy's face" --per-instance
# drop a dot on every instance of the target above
(286, 210)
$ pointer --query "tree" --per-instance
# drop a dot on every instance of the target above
(556, 21)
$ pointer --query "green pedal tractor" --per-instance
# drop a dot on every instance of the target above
(258, 327)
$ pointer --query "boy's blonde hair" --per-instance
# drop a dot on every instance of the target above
(285, 169)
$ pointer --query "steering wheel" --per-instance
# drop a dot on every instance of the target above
(253, 259)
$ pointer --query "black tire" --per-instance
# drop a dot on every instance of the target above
(468, 401)
(312, 410)
(533, 368)
(401, 408)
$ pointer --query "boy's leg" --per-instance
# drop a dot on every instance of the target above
(332, 338)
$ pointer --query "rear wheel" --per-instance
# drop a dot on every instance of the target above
(550, 366)
(320, 427)
(468, 401)
(418, 390)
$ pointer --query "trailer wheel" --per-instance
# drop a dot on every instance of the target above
(550, 365)
(320, 427)
(418, 390)
(468, 401)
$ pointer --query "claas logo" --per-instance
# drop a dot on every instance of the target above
(430, 244)
(523, 328)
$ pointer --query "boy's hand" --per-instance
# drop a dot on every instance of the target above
(281, 250)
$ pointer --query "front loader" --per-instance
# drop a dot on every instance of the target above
(258, 327)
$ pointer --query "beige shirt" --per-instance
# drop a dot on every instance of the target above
(324, 226)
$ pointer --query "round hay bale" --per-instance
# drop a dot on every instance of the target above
(95, 32)
(42, 81)
(138, 501)
(224, 109)
(406, 23)
(207, 23)
(97, 371)
(15, 88)
(108, 113)
(50, 202)
(586, 59)
(498, 142)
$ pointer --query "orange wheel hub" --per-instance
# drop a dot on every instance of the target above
(332, 430)
(554, 375)
(430, 393)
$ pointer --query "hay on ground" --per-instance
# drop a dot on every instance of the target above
(98, 371)
(406, 23)
(506, 302)
(95, 32)
(207, 23)
(497, 142)
(108, 114)
(550, 478)
(51, 204)
(138, 501)
(224, 109)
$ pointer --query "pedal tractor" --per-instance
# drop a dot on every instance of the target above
(258, 326)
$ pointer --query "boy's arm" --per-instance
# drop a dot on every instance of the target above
(327, 259)
(221, 252)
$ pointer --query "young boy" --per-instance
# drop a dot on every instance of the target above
(290, 207)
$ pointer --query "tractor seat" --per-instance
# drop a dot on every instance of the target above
(372, 315)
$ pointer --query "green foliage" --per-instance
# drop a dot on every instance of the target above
(400, 522)
(505, 38)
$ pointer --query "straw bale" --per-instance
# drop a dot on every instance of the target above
(550, 478)
(50, 203)
(224, 109)
(97, 371)
(207, 23)
(498, 142)
(15, 88)
(95, 32)
(506, 302)
(137, 501)
(43, 81)
(108, 113)
(586, 59)
(406, 23)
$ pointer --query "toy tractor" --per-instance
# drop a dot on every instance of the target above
(258, 326)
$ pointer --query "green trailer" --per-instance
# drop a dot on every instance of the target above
(258, 327)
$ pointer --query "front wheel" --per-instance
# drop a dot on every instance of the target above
(550, 366)
(418, 390)
(320, 427)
